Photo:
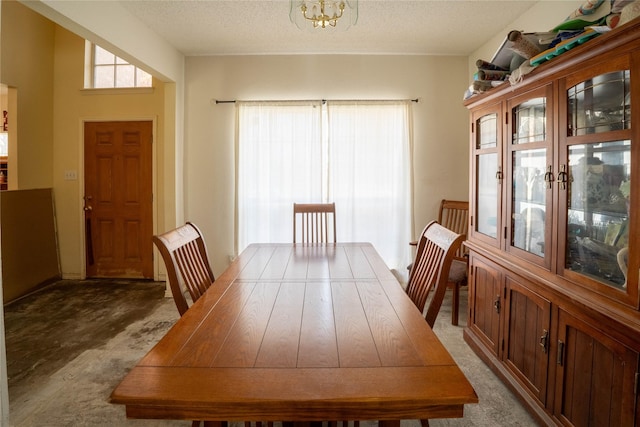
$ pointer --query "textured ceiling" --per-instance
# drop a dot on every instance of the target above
(216, 27)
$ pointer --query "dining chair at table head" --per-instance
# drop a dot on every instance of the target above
(314, 223)
(185, 257)
(430, 271)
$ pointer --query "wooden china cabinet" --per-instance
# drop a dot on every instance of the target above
(554, 306)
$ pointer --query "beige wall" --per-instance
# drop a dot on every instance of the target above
(27, 66)
(138, 44)
(440, 123)
(72, 107)
(39, 59)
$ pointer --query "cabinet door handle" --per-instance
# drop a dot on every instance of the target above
(548, 176)
(544, 341)
(496, 304)
(560, 356)
(562, 177)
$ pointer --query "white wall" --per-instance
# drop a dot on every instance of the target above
(440, 123)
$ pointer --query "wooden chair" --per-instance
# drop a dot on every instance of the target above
(185, 257)
(454, 215)
(430, 272)
(317, 222)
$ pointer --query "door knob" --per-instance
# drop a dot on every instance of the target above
(88, 208)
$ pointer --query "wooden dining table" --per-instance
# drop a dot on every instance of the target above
(299, 333)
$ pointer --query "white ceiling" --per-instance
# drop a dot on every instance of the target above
(219, 27)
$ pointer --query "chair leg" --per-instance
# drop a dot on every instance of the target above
(455, 304)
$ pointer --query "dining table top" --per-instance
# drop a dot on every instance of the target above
(300, 333)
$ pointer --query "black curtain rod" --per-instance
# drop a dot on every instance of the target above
(323, 101)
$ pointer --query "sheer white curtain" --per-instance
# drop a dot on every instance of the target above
(370, 175)
(356, 154)
(279, 162)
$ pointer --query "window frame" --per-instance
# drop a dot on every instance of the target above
(90, 69)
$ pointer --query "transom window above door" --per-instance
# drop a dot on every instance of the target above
(103, 70)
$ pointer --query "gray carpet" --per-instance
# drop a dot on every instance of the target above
(69, 345)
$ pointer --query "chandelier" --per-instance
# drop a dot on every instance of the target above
(323, 13)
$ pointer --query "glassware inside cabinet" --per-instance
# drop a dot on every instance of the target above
(597, 220)
(600, 104)
(529, 200)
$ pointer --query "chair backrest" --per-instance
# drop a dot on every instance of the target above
(315, 222)
(454, 215)
(436, 249)
(185, 257)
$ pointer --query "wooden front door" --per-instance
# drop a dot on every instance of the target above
(118, 199)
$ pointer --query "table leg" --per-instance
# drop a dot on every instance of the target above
(389, 423)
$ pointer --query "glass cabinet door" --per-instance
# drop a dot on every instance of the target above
(598, 183)
(598, 217)
(487, 212)
(487, 169)
(600, 104)
(528, 209)
(530, 172)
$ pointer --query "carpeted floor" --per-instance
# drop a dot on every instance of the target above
(70, 344)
